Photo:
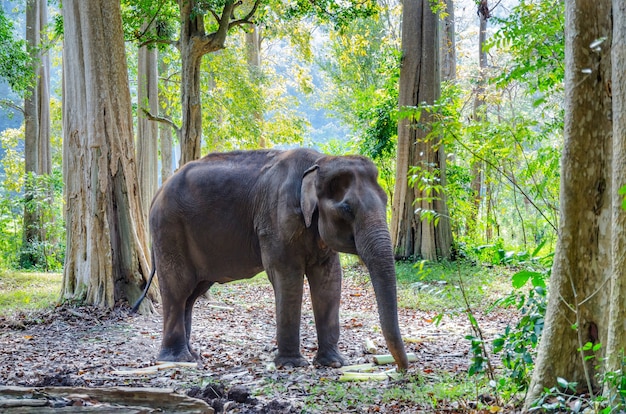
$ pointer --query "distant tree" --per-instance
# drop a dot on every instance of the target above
(147, 129)
(106, 236)
(420, 225)
(480, 113)
(36, 131)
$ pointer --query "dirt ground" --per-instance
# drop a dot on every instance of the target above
(234, 330)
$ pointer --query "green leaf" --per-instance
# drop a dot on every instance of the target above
(520, 278)
(539, 280)
(563, 383)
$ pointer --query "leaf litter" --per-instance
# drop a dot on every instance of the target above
(234, 331)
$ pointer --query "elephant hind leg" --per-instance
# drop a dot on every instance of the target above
(174, 345)
(200, 290)
(177, 308)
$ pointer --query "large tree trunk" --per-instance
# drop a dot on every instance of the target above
(147, 130)
(579, 285)
(106, 237)
(414, 236)
(36, 129)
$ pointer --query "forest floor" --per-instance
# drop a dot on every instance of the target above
(234, 330)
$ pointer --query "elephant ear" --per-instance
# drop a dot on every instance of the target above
(308, 194)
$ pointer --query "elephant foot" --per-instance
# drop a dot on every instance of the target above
(290, 361)
(172, 355)
(331, 359)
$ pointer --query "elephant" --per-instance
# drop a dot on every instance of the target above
(229, 216)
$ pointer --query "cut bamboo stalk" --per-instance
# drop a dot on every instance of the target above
(388, 359)
(358, 368)
(369, 376)
(369, 345)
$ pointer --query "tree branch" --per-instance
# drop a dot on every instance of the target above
(160, 41)
(164, 120)
(151, 21)
(12, 105)
(247, 18)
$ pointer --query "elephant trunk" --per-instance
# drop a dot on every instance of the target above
(373, 245)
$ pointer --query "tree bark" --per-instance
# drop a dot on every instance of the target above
(448, 44)
(105, 259)
(147, 130)
(616, 341)
(37, 160)
(413, 236)
(580, 282)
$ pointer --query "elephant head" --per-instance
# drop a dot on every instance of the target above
(351, 218)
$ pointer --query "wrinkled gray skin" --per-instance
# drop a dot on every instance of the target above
(230, 216)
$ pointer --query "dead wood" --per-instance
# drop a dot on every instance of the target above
(83, 399)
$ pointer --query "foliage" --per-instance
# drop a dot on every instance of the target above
(516, 346)
(338, 13)
(434, 286)
(42, 196)
(15, 60)
(362, 66)
(46, 195)
(246, 106)
(533, 33)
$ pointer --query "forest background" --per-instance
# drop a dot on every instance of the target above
(330, 76)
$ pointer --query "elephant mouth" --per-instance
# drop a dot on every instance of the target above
(343, 246)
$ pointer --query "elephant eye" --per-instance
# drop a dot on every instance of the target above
(346, 209)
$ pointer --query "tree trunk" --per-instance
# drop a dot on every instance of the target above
(480, 117)
(165, 130)
(253, 48)
(147, 130)
(579, 285)
(413, 236)
(193, 44)
(105, 259)
(616, 341)
(37, 159)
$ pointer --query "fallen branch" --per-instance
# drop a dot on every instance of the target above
(155, 368)
(133, 400)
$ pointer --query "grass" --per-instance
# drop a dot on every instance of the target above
(436, 287)
(28, 291)
(424, 392)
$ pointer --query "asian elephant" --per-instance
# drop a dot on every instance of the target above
(229, 216)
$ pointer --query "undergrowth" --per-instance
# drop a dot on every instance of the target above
(429, 392)
(21, 291)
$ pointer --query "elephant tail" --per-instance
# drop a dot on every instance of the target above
(145, 291)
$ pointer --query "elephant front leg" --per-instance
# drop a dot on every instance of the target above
(325, 283)
(288, 293)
